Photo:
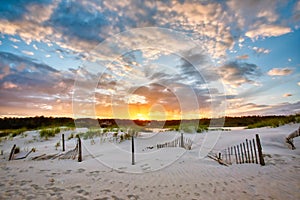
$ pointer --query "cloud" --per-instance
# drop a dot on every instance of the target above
(299, 83)
(266, 30)
(9, 85)
(296, 11)
(260, 50)
(275, 109)
(248, 13)
(28, 86)
(287, 95)
(29, 53)
(237, 73)
(280, 72)
(5, 70)
(242, 57)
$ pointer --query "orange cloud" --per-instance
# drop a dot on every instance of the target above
(280, 72)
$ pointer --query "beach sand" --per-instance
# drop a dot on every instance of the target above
(188, 177)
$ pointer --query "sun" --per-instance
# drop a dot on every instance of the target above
(141, 117)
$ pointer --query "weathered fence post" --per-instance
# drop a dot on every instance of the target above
(63, 141)
(132, 150)
(182, 145)
(12, 152)
(259, 148)
(79, 149)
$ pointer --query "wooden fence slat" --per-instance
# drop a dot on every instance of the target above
(248, 151)
(239, 154)
(236, 158)
(252, 156)
(254, 146)
(242, 154)
(246, 158)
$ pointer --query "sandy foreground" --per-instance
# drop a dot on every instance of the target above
(170, 173)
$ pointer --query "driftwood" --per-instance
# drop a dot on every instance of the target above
(290, 137)
(23, 155)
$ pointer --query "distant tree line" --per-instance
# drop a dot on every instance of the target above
(34, 122)
(41, 121)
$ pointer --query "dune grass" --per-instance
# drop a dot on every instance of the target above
(50, 132)
(275, 122)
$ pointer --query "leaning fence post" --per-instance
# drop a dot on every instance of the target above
(63, 141)
(259, 148)
(79, 149)
(12, 152)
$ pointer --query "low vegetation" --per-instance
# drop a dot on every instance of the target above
(12, 132)
(276, 122)
(50, 132)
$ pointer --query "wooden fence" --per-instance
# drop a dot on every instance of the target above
(249, 151)
(72, 154)
(181, 141)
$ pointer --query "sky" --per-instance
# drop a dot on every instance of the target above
(149, 59)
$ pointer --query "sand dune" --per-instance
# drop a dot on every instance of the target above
(182, 175)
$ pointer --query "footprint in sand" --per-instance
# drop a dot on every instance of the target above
(83, 192)
(116, 198)
(105, 198)
(80, 170)
(133, 197)
(105, 191)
